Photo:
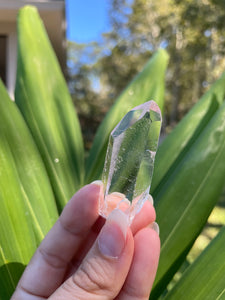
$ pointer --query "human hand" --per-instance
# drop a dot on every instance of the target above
(84, 257)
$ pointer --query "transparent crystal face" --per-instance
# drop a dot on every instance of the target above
(129, 162)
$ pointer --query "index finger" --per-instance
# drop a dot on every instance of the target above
(47, 268)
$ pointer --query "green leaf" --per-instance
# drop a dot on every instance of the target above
(10, 274)
(186, 199)
(147, 85)
(27, 205)
(181, 139)
(204, 279)
(44, 100)
(17, 242)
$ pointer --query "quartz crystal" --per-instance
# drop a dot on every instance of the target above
(129, 162)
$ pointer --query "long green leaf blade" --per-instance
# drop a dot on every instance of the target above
(27, 205)
(175, 146)
(186, 199)
(147, 85)
(205, 278)
(43, 98)
(32, 176)
(17, 241)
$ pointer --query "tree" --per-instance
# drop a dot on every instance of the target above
(191, 31)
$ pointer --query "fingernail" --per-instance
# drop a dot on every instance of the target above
(150, 199)
(97, 182)
(119, 195)
(112, 238)
(155, 227)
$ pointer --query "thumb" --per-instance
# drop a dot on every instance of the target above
(103, 271)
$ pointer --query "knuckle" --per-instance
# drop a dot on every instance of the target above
(134, 293)
(92, 276)
(53, 260)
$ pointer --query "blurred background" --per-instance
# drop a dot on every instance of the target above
(102, 45)
(110, 41)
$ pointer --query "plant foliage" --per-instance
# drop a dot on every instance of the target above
(42, 164)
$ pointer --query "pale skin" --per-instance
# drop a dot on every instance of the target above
(83, 257)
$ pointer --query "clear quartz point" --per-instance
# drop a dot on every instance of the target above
(129, 162)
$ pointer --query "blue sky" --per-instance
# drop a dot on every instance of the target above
(86, 19)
